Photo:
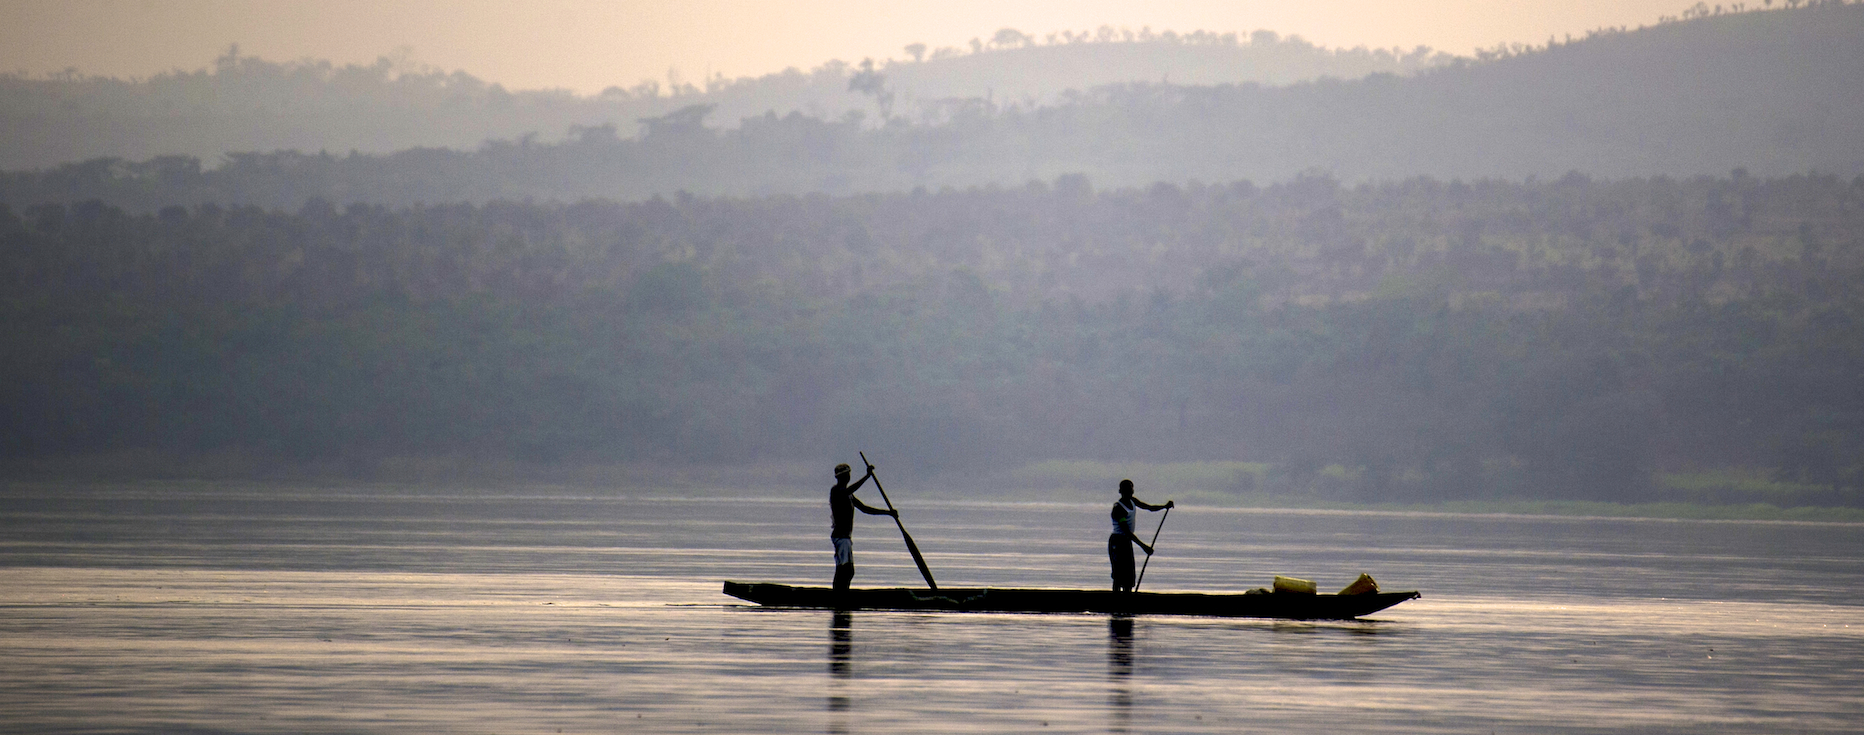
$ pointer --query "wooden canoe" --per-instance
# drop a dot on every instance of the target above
(1289, 605)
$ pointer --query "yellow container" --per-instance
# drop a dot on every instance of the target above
(1361, 586)
(1291, 584)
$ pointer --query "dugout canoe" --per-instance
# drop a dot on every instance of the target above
(1295, 606)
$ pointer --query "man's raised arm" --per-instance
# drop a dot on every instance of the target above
(865, 508)
(1151, 507)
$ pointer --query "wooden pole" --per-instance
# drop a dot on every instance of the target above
(1154, 545)
(919, 559)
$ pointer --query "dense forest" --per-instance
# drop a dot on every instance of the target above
(1406, 340)
(244, 103)
(1426, 301)
(1773, 92)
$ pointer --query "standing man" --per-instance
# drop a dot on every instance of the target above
(841, 505)
(1120, 544)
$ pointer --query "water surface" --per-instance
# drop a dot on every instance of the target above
(263, 609)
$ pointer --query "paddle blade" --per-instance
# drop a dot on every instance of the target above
(919, 559)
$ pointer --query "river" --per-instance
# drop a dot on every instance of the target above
(189, 607)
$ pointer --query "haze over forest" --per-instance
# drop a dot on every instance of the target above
(242, 103)
(1626, 267)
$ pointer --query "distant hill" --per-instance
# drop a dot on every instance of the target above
(1017, 70)
(243, 103)
(1773, 92)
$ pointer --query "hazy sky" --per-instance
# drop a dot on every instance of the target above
(586, 46)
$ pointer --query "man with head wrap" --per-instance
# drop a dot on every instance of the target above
(841, 507)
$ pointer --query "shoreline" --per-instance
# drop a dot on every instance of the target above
(737, 483)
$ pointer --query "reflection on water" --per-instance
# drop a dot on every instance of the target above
(840, 639)
(208, 610)
(840, 643)
(1120, 672)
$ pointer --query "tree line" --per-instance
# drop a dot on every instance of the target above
(1405, 340)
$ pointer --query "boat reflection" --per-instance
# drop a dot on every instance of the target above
(1120, 672)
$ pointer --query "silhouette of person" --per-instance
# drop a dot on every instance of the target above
(841, 507)
(1120, 544)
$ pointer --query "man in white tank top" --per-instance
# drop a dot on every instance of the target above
(1120, 544)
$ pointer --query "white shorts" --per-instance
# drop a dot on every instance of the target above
(844, 550)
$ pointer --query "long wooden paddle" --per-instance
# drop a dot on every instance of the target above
(1154, 545)
(924, 571)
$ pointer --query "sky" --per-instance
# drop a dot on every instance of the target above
(586, 46)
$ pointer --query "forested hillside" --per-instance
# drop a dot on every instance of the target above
(1773, 92)
(246, 104)
(1423, 339)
